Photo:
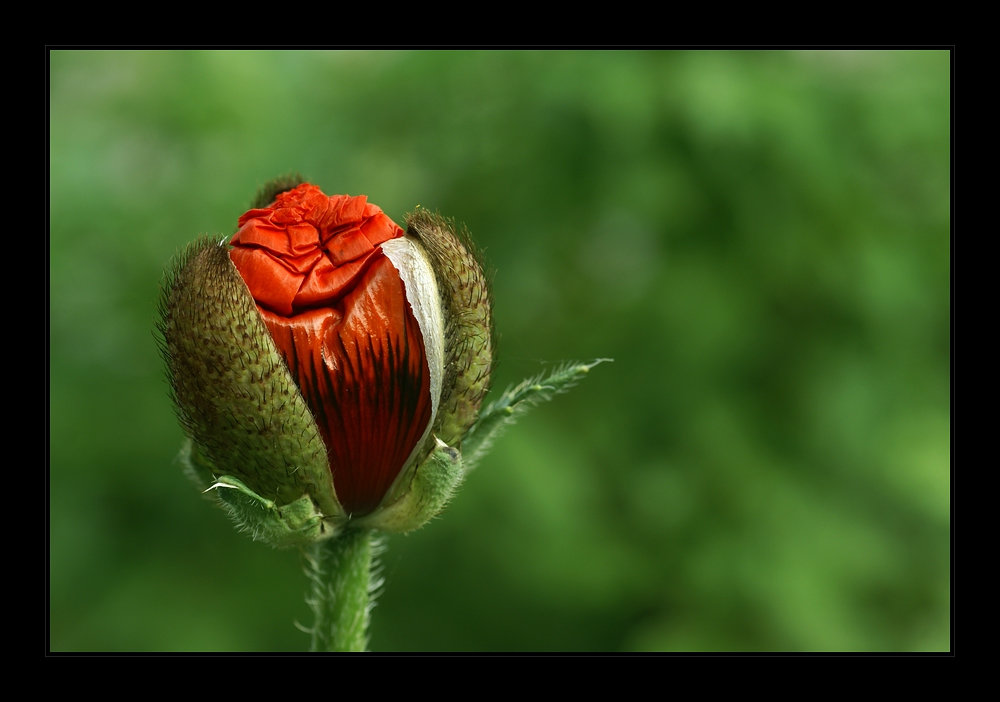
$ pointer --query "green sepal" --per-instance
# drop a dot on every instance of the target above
(431, 486)
(298, 523)
(233, 392)
(197, 468)
(468, 317)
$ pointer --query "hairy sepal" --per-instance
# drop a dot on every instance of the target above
(297, 523)
(232, 391)
(435, 262)
(425, 493)
(468, 322)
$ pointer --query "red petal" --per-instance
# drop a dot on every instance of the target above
(337, 310)
(344, 209)
(260, 232)
(379, 229)
(302, 238)
(348, 246)
(361, 367)
(326, 283)
(253, 214)
(272, 284)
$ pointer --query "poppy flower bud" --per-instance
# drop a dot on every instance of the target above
(328, 365)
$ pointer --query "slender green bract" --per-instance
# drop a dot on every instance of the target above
(515, 401)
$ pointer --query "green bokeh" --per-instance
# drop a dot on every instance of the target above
(760, 240)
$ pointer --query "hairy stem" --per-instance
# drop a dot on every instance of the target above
(342, 591)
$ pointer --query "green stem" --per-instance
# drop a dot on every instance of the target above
(341, 596)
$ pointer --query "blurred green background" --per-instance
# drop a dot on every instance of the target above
(760, 241)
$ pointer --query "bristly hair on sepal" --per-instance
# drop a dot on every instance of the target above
(466, 300)
(232, 392)
(295, 524)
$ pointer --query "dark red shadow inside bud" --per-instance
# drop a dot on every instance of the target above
(362, 369)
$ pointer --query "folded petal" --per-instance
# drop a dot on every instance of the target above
(337, 310)
(271, 283)
(260, 232)
(348, 246)
(361, 367)
(326, 283)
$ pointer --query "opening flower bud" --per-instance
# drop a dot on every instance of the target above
(356, 317)
(330, 357)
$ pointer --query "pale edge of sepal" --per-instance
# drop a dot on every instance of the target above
(298, 523)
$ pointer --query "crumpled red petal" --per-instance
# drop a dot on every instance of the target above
(362, 369)
(337, 310)
(300, 223)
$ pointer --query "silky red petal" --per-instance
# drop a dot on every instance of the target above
(326, 283)
(317, 212)
(305, 263)
(285, 215)
(260, 232)
(273, 286)
(253, 214)
(379, 229)
(294, 205)
(362, 369)
(302, 238)
(346, 209)
(338, 313)
(348, 246)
